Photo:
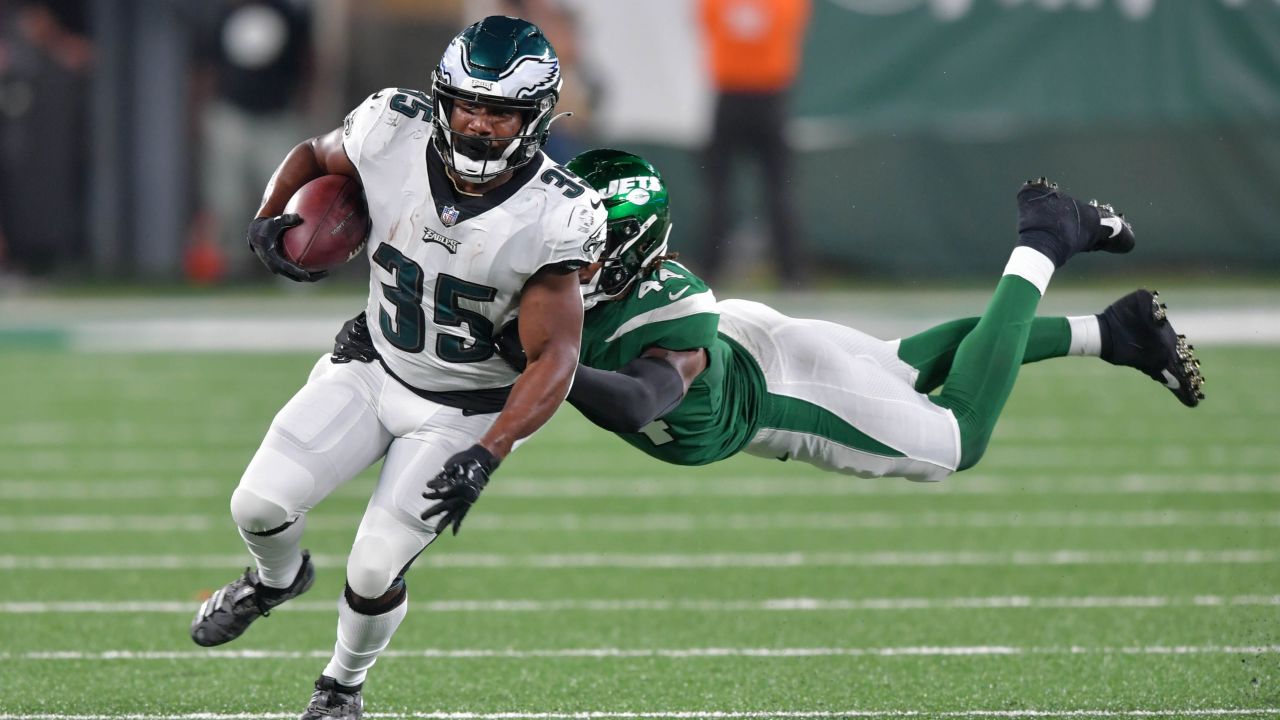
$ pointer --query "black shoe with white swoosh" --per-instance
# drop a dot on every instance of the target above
(229, 611)
(1136, 333)
(1060, 226)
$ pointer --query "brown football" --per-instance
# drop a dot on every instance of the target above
(335, 223)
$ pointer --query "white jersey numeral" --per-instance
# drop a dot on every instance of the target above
(657, 433)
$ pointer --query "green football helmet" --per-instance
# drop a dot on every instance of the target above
(501, 62)
(639, 218)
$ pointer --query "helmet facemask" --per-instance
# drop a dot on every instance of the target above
(639, 219)
(630, 249)
(502, 63)
(479, 159)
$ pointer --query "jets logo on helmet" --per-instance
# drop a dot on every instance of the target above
(636, 190)
(638, 224)
(504, 63)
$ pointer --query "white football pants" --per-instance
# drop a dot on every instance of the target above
(343, 420)
(840, 399)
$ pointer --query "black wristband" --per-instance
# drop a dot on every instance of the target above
(477, 452)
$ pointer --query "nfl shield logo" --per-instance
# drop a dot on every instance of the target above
(449, 215)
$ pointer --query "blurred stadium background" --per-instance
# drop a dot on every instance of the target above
(912, 123)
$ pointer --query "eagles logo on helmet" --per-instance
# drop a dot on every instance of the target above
(500, 62)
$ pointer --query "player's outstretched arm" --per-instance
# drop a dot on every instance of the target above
(551, 332)
(640, 392)
(309, 159)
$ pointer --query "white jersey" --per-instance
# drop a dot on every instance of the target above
(446, 269)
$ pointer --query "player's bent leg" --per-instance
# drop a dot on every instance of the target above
(365, 625)
(870, 438)
(325, 435)
(986, 364)
(392, 533)
(1052, 227)
(933, 351)
(833, 404)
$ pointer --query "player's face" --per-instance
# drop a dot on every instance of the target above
(485, 121)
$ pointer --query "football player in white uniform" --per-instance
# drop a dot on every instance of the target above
(470, 224)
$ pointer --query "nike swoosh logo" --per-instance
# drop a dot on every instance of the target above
(376, 95)
(1170, 381)
(596, 203)
(1115, 223)
(676, 295)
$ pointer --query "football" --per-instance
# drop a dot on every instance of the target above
(335, 223)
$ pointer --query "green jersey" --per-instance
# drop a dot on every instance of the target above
(673, 309)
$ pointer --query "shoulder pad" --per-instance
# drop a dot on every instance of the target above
(375, 121)
(574, 225)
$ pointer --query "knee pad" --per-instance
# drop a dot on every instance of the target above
(254, 513)
(371, 567)
(393, 598)
(274, 489)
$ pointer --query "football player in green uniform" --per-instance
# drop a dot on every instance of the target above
(691, 380)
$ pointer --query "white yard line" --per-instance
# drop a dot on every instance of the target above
(675, 561)
(683, 522)
(696, 715)
(181, 485)
(1087, 602)
(666, 653)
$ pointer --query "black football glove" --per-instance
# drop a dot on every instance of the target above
(266, 240)
(353, 342)
(508, 346)
(458, 486)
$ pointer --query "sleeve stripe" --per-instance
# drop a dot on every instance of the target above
(703, 302)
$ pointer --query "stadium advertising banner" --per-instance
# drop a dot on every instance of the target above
(1167, 108)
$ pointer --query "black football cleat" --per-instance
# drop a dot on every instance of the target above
(1136, 333)
(229, 611)
(1060, 226)
(331, 700)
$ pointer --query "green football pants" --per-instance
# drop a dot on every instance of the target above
(976, 360)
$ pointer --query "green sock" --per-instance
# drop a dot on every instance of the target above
(933, 351)
(986, 365)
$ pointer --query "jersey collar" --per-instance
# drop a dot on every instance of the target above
(459, 207)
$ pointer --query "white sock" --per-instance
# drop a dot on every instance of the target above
(1086, 336)
(360, 639)
(1030, 265)
(279, 556)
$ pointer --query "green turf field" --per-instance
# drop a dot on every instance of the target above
(1114, 555)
